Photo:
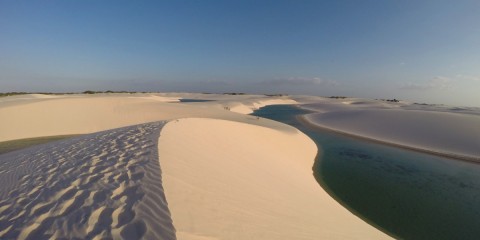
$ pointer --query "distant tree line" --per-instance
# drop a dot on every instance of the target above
(276, 95)
(389, 100)
(109, 91)
(23, 93)
(234, 93)
(6, 94)
(11, 94)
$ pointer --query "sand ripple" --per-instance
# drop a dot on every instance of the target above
(102, 185)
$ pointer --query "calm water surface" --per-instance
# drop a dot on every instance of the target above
(406, 194)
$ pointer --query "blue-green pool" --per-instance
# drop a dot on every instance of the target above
(409, 195)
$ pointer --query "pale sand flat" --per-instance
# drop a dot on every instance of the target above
(431, 129)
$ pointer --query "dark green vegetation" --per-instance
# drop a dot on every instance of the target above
(67, 93)
(108, 91)
(406, 194)
(12, 94)
(276, 95)
(389, 100)
(234, 93)
(10, 146)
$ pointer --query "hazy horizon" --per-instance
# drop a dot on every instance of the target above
(417, 51)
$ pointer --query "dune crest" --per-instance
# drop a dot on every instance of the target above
(247, 107)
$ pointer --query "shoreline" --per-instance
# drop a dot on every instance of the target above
(331, 193)
(303, 119)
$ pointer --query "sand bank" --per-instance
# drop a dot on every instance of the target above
(247, 107)
(431, 130)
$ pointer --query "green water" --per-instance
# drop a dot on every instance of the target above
(406, 194)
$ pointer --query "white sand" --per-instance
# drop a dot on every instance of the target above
(262, 188)
(106, 184)
(247, 107)
(245, 178)
(79, 114)
(437, 130)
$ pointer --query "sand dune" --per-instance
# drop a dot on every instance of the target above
(247, 107)
(231, 176)
(262, 188)
(159, 98)
(430, 129)
(222, 180)
(80, 114)
(102, 185)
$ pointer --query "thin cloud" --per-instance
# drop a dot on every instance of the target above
(294, 81)
(468, 77)
(436, 83)
(216, 82)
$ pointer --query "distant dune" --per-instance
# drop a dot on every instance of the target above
(440, 131)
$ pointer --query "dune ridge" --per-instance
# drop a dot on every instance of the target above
(247, 107)
(102, 185)
(446, 134)
(435, 129)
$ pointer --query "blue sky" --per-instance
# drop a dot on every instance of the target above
(424, 51)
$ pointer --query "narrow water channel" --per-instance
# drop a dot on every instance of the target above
(408, 195)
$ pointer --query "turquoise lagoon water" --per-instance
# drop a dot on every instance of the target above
(406, 194)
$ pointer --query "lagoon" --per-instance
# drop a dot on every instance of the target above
(406, 194)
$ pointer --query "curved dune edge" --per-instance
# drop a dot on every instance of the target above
(246, 107)
(231, 180)
(404, 129)
(434, 129)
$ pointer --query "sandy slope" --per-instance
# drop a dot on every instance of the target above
(247, 107)
(101, 185)
(432, 129)
(230, 180)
